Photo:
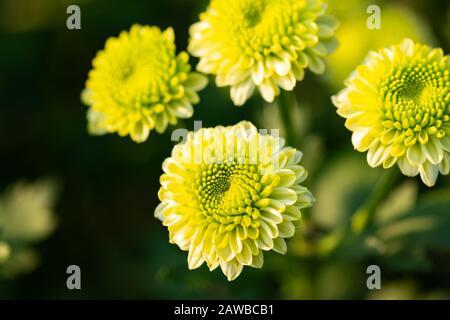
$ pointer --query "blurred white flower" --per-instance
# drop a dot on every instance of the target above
(26, 211)
(26, 216)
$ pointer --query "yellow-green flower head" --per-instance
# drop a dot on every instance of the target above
(262, 43)
(229, 193)
(397, 104)
(138, 83)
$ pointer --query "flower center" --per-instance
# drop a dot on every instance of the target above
(257, 27)
(253, 12)
(141, 75)
(416, 101)
(226, 192)
(413, 91)
(126, 72)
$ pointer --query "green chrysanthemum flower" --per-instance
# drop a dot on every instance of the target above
(138, 83)
(397, 104)
(262, 43)
(230, 193)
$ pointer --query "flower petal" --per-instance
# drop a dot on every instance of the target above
(429, 173)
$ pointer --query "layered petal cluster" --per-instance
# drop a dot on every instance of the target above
(397, 104)
(264, 44)
(138, 83)
(229, 193)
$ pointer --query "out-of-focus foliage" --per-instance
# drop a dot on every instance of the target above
(340, 189)
(448, 25)
(105, 210)
(5, 252)
(26, 216)
(407, 290)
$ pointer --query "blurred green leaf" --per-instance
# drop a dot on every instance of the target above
(426, 225)
(341, 188)
(399, 202)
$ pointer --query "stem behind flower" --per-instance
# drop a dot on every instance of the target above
(363, 217)
(285, 102)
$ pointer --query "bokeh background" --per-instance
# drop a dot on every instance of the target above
(70, 198)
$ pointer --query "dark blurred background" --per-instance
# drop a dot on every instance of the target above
(108, 185)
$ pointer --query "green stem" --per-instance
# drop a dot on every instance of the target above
(285, 102)
(363, 217)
